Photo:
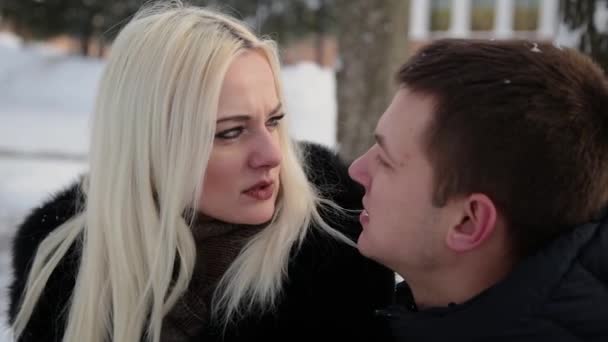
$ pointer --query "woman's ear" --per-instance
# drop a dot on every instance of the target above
(476, 226)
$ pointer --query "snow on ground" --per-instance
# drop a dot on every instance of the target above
(311, 107)
(9, 40)
(45, 102)
(36, 130)
(40, 78)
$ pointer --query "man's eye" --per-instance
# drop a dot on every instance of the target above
(231, 133)
(275, 120)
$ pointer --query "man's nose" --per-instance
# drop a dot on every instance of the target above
(358, 170)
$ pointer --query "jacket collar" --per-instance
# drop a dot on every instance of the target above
(520, 294)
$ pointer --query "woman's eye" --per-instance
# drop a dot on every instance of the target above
(231, 133)
(274, 121)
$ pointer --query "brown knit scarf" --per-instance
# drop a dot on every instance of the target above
(217, 246)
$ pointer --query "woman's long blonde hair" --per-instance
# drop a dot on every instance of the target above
(152, 135)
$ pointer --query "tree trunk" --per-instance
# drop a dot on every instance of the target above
(85, 39)
(373, 41)
(86, 32)
(320, 49)
(101, 50)
(321, 32)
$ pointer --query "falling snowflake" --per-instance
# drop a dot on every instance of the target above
(535, 48)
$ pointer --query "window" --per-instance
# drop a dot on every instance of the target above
(482, 15)
(526, 15)
(440, 15)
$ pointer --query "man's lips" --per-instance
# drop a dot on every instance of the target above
(364, 217)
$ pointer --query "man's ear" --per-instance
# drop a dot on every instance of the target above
(477, 223)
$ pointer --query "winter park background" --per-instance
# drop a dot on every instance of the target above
(46, 97)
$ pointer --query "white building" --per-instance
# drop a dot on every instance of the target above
(490, 19)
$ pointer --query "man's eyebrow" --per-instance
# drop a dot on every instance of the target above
(381, 140)
(244, 117)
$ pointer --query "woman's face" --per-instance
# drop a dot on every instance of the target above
(242, 178)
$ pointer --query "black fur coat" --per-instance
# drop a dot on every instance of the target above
(331, 291)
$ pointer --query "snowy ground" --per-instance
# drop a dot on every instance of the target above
(45, 101)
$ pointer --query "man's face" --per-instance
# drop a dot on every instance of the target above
(402, 229)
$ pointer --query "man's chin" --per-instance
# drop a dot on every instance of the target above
(363, 246)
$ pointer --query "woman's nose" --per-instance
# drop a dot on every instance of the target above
(267, 151)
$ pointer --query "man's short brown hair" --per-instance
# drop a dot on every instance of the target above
(524, 123)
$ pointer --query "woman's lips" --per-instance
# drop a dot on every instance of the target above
(262, 191)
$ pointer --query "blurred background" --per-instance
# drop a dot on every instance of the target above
(339, 58)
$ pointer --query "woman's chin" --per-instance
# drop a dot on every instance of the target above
(258, 216)
(260, 219)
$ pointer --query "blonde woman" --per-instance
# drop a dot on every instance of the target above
(196, 221)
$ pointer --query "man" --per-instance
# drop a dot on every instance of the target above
(486, 190)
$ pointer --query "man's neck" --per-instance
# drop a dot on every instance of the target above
(454, 285)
